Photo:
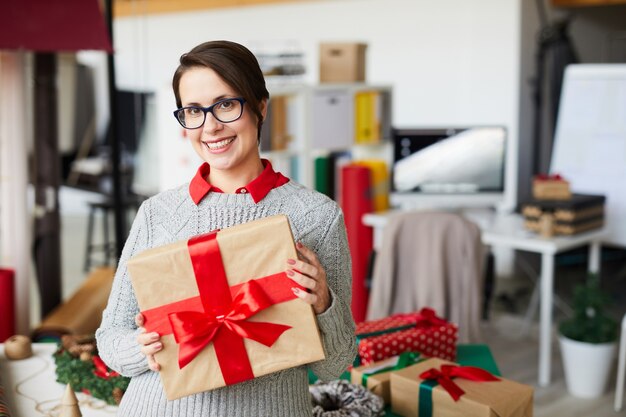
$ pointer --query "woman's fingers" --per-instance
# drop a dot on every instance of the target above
(150, 343)
(153, 364)
(308, 254)
(147, 338)
(304, 280)
(307, 297)
(310, 274)
(139, 320)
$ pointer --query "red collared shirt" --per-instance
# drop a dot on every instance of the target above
(258, 187)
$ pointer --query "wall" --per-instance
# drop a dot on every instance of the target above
(450, 62)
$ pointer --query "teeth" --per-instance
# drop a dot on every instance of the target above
(220, 144)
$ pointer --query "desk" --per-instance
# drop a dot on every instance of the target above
(507, 230)
(30, 381)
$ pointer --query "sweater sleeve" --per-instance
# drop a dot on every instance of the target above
(336, 323)
(116, 337)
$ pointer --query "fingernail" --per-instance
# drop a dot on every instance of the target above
(158, 345)
(295, 290)
(290, 272)
(299, 245)
(291, 261)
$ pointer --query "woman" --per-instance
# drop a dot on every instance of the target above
(222, 100)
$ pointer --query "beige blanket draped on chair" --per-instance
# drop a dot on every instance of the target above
(430, 259)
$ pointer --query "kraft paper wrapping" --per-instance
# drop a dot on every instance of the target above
(378, 383)
(82, 313)
(256, 249)
(503, 398)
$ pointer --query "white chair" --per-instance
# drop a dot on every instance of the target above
(621, 369)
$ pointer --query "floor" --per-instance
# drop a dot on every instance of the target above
(515, 351)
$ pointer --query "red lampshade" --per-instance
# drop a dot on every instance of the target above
(51, 26)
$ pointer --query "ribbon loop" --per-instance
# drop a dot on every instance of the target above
(194, 330)
(427, 318)
(444, 377)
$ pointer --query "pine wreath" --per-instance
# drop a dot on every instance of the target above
(78, 364)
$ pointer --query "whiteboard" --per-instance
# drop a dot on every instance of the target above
(590, 138)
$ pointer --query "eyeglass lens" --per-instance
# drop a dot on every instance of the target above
(224, 111)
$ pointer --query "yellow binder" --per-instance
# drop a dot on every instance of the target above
(367, 118)
(380, 182)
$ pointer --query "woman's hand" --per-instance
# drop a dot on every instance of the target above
(150, 344)
(309, 272)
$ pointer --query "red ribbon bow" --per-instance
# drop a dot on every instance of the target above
(549, 177)
(194, 330)
(427, 318)
(447, 372)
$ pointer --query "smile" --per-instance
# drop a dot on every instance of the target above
(218, 145)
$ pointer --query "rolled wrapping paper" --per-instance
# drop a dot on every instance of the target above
(7, 303)
(356, 200)
(18, 347)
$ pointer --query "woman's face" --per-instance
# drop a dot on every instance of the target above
(230, 146)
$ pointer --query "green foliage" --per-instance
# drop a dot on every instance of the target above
(590, 322)
(80, 375)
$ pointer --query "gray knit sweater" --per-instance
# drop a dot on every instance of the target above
(170, 216)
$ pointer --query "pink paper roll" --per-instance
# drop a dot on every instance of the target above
(7, 304)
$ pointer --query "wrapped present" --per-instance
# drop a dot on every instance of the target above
(551, 187)
(421, 332)
(224, 307)
(377, 376)
(437, 388)
(582, 212)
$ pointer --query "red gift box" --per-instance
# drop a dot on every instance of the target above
(421, 331)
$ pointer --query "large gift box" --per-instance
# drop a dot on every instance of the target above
(420, 331)
(224, 307)
(377, 376)
(438, 388)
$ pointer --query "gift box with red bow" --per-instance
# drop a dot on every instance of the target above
(551, 187)
(224, 307)
(421, 331)
(438, 388)
(376, 377)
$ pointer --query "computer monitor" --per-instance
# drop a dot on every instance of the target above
(448, 167)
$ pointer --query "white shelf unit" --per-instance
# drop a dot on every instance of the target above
(323, 118)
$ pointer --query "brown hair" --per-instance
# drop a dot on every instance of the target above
(235, 64)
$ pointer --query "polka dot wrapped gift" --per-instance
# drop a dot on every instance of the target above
(420, 331)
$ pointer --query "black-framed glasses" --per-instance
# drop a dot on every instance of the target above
(225, 111)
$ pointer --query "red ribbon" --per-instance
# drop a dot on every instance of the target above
(447, 372)
(220, 312)
(101, 369)
(427, 318)
(549, 177)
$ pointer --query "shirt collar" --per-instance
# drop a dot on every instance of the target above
(258, 188)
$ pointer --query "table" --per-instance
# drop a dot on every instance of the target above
(507, 231)
(31, 388)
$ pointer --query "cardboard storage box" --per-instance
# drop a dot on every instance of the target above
(342, 62)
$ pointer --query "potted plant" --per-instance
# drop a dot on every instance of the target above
(588, 341)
